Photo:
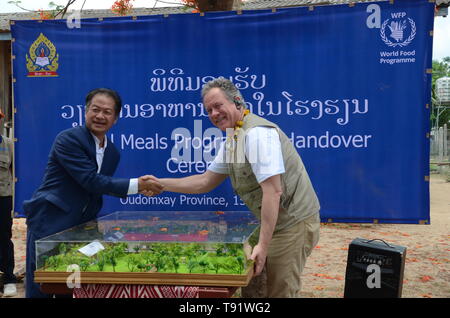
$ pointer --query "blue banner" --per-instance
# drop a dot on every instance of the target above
(348, 84)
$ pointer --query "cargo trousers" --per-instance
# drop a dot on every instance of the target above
(287, 254)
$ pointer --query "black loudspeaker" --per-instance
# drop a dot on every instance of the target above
(374, 269)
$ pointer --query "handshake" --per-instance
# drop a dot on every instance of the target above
(149, 185)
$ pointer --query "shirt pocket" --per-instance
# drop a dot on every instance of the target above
(5, 163)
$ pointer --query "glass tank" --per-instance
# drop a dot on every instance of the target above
(199, 242)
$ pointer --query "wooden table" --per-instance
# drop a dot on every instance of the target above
(201, 291)
(143, 285)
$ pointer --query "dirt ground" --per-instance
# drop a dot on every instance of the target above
(427, 268)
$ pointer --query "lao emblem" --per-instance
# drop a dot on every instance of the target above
(42, 59)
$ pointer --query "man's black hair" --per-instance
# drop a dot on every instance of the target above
(108, 92)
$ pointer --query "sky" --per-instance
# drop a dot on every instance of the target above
(441, 41)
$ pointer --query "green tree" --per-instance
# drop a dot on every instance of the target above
(220, 249)
(84, 263)
(160, 262)
(176, 249)
(192, 263)
(57, 11)
(204, 265)
(101, 261)
(234, 249)
(54, 261)
(193, 250)
(113, 254)
(132, 262)
(113, 261)
(174, 263)
(240, 263)
(217, 263)
(147, 256)
(440, 69)
(63, 248)
(44, 259)
(159, 248)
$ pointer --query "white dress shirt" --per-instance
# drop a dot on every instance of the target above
(100, 153)
(262, 150)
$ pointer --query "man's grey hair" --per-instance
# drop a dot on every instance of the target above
(227, 86)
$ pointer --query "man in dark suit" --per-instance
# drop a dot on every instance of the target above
(79, 171)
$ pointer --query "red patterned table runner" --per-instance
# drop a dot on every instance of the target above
(134, 291)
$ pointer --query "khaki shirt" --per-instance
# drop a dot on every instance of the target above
(6, 152)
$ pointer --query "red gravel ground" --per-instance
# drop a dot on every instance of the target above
(427, 269)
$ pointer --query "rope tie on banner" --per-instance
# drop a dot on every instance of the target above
(370, 241)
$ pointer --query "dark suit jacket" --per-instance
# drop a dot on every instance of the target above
(71, 191)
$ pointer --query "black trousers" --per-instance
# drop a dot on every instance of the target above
(6, 244)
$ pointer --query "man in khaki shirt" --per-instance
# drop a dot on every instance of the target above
(6, 244)
(275, 186)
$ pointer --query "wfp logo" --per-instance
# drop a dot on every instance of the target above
(398, 31)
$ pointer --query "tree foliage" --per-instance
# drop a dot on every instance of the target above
(440, 69)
